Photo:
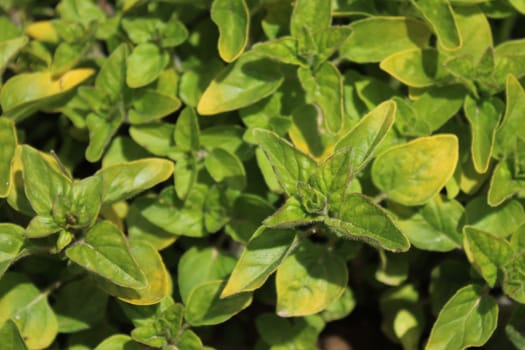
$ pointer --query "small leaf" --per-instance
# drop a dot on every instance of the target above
(503, 184)
(289, 164)
(187, 130)
(359, 218)
(510, 128)
(291, 214)
(105, 252)
(468, 319)
(414, 172)
(9, 49)
(375, 38)
(487, 252)
(125, 180)
(250, 79)
(205, 308)
(232, 17)
(144, 64)
(309, 280)
(8, 142)
(281, 50)
(11, 243)
(311, 14)
(149, 105)
(119, 342)
(261, 257)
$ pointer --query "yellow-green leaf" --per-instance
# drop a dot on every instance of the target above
(25, 93)
(375, 38)
(414, 172)
(241, 84)
(440, 16)
(309, 280)
(8, 142)
(232, 17)
(22, 302)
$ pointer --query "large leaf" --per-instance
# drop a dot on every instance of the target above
(359, 218)
(28, 307)
(232, 17)
(375, 38)
(248, 80)
(125, 180)
(501, 221)
(18, 101)
(144, 64)
(414, 172)
(468, 319)
(309, 280)
(440, 16)
(105, 252)
(8, 141)
(261, 257)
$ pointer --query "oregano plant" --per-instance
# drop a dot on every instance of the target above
(262, 174)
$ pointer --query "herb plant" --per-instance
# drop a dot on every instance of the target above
(262, 174)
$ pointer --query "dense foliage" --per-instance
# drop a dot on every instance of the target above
(262, 174)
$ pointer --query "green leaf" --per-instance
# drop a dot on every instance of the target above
(178, 217)
(18, 101)
(28, 307)
(232, 17)
(157, 278)
(155, 137)
(119, 342)
(509, 131)
(282, 50)
(11, 337)
(358, 218)
(375, 38)
(440, 16)
(312, 15)
(468, 319)
(247, 214)
(125, 180)
(105, 252)
(144, 64)
(8, 142)
(368, 134)
(149, 105)
(309, 280)
(291, 214)
(263, 254)
(503, 184)
(291, 333)
(501, 221)
(289, 164)
(324, 86)
(185, 175)
(186, 132)
(202, 265)
(11, 243)
(72, 316)
(341, 307)
(486, 252)
(313, 201)
(412, 173)
(205, 307)
(101, 131)
(435, 226)
(112, 75)
(250, 79)
(44, 181)
(9, 49)
(226, 167)
(415, 67)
